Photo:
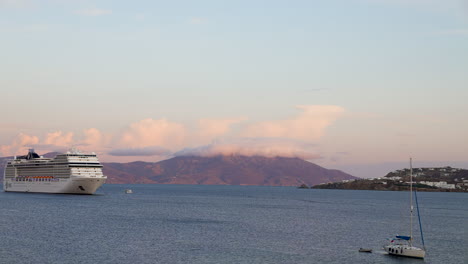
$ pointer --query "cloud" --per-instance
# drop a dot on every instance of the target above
(19, 144)
(309, 125)
(146, 151)
(150, 132)
(93, 12)
(44, 148)
(24, 140)
(266, 147)
(290, 137)
(198, 20)
(54, 141)
(209, 129)
(58, 138)
(57, 141)
(95, 138)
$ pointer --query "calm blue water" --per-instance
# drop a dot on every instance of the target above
(224, 224)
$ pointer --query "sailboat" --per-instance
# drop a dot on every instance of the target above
(403, 245)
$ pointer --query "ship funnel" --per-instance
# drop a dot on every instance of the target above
(32, 154)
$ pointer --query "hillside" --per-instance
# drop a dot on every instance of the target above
(231, 170)
(442, 179)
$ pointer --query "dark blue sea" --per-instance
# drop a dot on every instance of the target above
(225, 224)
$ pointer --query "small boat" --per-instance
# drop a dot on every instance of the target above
(128, 191)
(366, 250)
(403, 245)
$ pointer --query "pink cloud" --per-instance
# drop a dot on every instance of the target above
(58, 138)
(309, 125)
(19, 145)
(150, 132)
(53, 141)
(94, 138)
(232, 136)
(210, 129)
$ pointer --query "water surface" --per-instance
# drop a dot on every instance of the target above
(225, 224)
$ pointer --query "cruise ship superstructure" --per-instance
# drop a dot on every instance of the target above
(71, 172)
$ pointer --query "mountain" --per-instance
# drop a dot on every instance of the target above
(221, 170)
(231, 170)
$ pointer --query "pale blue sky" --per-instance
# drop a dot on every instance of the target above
(399, 69)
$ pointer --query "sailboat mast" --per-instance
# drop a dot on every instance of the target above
(419, 218)
(411, 202)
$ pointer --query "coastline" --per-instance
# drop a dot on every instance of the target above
(379, 185)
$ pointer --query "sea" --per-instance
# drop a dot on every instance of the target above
(226, 224)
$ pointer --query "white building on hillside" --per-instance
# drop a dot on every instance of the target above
(441, 184)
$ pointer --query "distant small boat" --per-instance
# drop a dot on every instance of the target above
(128, 191)
(367, 250)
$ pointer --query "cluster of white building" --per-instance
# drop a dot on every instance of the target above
(348, 180)
(441, 184)
(444, 172)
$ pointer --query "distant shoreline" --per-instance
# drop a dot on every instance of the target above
(381, 185)
(434, 179)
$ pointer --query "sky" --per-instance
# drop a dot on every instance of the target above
(356, 85)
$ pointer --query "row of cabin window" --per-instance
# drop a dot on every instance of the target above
(36, 180)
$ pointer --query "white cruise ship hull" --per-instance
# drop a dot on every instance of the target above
(73, 185)
(71, 172)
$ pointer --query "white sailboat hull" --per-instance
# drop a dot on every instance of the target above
(403, 245)
(405, 251)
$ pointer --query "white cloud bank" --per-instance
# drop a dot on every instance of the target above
(266, 147)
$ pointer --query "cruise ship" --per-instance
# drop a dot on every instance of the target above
(72, 172)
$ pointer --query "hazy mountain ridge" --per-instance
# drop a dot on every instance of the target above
(231, 170)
